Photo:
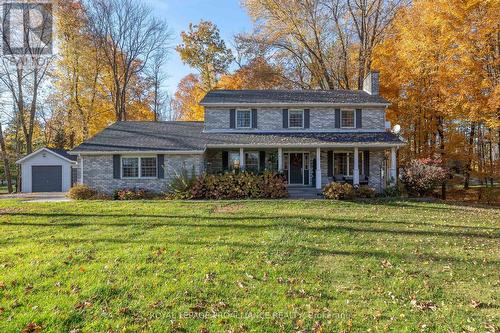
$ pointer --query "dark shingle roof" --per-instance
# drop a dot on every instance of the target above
(63, 153)
(187, 136)
(291, 97)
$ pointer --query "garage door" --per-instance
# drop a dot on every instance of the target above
(46, 178)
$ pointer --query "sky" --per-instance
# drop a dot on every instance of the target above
(228, 15)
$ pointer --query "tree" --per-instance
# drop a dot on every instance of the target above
(203, 49)
(257, 74)
(185, 104)
(128, 35)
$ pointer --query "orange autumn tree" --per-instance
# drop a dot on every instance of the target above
(439, 68)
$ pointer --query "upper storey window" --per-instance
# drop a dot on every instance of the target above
(347, 118)
(243, 118)
(296, 119)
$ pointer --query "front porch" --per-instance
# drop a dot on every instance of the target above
(311, 167)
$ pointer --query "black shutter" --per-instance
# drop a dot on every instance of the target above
(285, 118)
(358, 118)
(330, 163)
(232, 118)
(262, 160)
(307, 118)
(337, 118)
(254, 118)
(116, 167)
(160, 160)
(367, 162)
(225, 161)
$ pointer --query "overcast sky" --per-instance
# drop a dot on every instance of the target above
(228, 15)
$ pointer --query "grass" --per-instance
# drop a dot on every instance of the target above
(250, 266)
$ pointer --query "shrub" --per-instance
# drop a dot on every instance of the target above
(243, 185)
(339, 191)
(133, 194)
(181, 185)
(81, 192)
(421, 176)
(391, 192)
(365, 191)
(274, 186)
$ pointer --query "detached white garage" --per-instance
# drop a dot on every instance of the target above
(47, 170)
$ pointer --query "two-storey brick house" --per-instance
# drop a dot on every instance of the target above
(312, 136)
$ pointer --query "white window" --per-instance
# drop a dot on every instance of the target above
(243, 118)
(347, 118)
(139, 167)
(344, 164)
(252, 161)
(296, 118)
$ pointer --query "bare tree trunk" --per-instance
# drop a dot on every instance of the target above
(468, 166)
(6, 164)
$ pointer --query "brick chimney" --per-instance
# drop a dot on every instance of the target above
(371, 83)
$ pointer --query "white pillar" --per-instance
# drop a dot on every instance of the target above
(355, 176)
(242, 159)
(280, 159)
(81, 169)
(318, 168)
(394, 163)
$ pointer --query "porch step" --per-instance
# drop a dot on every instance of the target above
(304, 193)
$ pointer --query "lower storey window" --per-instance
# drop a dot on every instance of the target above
(139, 167)
(252, 161)
(344, 164)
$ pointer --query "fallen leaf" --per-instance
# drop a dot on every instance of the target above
(476, 304)
(83, 305)
(209, 277)
(386, 263)
(424, 305)
(32, 327)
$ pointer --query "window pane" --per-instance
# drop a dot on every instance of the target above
(340, 164)
(130, 167)
(252, 162)
(148, 167)
(234, 160)
(347, 118)
(243, 118)
(296, 118)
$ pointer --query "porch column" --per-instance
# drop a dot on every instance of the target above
(355, 176)
(318, 168)
(280, 159)
(242, 159)
(81, 169)
(394, 163)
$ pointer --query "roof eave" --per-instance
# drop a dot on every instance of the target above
(129, 152)
(301, 104)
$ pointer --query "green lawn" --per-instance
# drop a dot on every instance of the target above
(251, 266)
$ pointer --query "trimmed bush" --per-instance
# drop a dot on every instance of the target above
(421, 176)
(81, 192)
(133, 194)
(339, 191)
(243, 185)
(365, 191)
(391, 192)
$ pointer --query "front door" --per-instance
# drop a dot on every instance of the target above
(296, 169)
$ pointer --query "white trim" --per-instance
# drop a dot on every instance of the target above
(348, 164)
(236, 118)
(146, 152)
(39, 151)
(295, 105)
(139, 167)
(303, 153)
(81, 170)
(296, 110)
(307, 145)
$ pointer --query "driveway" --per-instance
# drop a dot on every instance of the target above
(38, 197)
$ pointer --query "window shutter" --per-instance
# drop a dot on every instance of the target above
(262, 160)
(330, 163)
(367, 162)
(116, 167)
(160, 160)
(232, 118)
(307, 118)
(358, 118)
(254, 118)
(225, 161)
(337, 118)
(285, 118)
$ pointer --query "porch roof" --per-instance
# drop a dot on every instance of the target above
(185, 137)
